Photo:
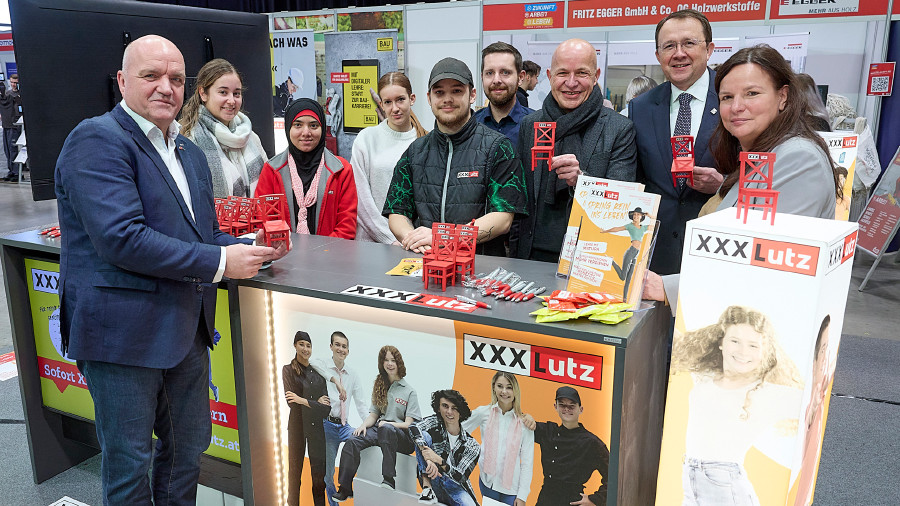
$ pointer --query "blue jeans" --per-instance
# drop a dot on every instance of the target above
(486, 491)
(334, 435)
(131, 403)
(447, 491)
(719, 483)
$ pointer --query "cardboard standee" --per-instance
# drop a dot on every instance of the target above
(758, 323)
(879, 223)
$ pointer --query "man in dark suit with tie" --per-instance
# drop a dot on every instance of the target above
(141, 257)
(686, 105)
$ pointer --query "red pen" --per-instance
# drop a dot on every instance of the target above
(477, 303)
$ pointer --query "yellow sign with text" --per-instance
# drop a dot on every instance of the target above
(386, 44)
(359, 107)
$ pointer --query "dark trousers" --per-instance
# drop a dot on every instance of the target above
(559, 494)
(390, 439)
(131, 403)
(300, 437)
(10, 136)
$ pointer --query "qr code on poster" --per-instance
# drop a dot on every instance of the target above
(880, 84)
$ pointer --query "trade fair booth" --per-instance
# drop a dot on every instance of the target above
(326, 284)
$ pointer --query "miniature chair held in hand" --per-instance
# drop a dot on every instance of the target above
(544, 142)
(272, 207)
(682, 159)
(276, 232)
(756, 169)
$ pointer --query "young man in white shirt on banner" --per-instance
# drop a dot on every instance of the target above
(343, 386)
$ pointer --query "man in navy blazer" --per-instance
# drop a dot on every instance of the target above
(683, 47)
(141, 256)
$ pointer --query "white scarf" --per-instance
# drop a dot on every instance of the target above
(239, 156)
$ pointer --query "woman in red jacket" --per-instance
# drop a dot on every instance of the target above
(318, 185)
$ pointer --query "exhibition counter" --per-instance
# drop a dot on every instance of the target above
(326, 285)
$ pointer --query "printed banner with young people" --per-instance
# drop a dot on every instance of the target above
(473, 388)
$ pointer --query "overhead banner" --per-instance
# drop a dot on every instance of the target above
(64, 389)
(603, 13)
(793, 9)
(523, 16)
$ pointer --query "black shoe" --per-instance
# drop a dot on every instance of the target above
(388, 482)
(342, 495)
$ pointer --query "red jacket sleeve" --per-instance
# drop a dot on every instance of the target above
(345, 222)
(270, 183)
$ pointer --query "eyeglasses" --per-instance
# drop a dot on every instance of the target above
(687, 45)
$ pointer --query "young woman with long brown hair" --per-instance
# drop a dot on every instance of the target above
(395, 405)
(213, 120)
(376, 151)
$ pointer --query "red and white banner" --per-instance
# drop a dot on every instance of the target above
(794, 9)
(6, 42)
(601, 13)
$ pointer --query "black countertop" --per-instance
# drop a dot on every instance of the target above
(324, 267)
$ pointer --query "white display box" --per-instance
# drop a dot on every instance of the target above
(747, 400)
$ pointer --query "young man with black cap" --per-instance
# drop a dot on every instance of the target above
(461, 171)
(569, 455)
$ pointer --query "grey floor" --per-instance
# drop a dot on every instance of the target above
(860, 463)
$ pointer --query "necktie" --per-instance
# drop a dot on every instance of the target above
(683, 122)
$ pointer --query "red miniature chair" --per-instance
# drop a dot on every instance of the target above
(465, 251)
(443, 267)
(682, 159)
(544, 142)
(276, 232)
(225, 217)
(240, 218)
(246, 214)
(756, 169)
(220, 214)
(272, 207)
(436, 230)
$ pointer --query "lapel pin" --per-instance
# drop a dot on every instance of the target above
(713, 110)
